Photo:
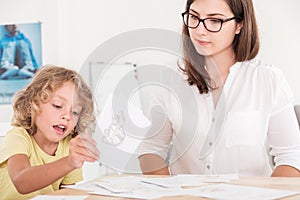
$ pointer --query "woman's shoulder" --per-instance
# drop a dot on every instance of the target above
(259, 64)
(261, 69)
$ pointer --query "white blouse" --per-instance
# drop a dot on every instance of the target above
(254, 119)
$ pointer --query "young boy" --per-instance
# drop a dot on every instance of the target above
(42, 152)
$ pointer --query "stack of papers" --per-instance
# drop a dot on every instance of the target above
(209, 186)
(191, 180)
(236, 192)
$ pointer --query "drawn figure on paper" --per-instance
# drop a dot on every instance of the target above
(114, 134)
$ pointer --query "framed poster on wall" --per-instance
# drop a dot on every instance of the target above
(20, 57)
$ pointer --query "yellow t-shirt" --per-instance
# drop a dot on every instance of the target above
(18, 141)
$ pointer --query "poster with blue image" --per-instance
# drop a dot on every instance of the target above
(20, 57)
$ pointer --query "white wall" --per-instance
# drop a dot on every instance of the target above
(280, 37)
(87, 24)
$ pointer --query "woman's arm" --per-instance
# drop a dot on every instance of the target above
(285, 171)
(284, 140)
(283, 130)
(152, 164)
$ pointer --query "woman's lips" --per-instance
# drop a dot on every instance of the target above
(203, 43)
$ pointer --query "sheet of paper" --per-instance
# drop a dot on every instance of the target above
(149, 188)
(210, 178)
(60, 197)
(127, 186)
(236, 192)
(88, 186)
(190, 180)
(149, 193)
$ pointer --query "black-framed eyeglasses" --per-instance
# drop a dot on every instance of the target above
(211, 24)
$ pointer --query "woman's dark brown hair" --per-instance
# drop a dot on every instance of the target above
(245, 44)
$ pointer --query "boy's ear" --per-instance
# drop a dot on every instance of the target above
(74, 133)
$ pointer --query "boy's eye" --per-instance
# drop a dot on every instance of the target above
(56, 106)
(75, 113)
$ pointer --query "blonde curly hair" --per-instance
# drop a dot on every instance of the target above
(48, 79)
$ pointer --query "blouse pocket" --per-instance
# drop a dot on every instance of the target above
(245, 128)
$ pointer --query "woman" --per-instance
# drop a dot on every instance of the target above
(244, 106)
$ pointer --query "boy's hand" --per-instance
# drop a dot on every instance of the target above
(82, 148)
